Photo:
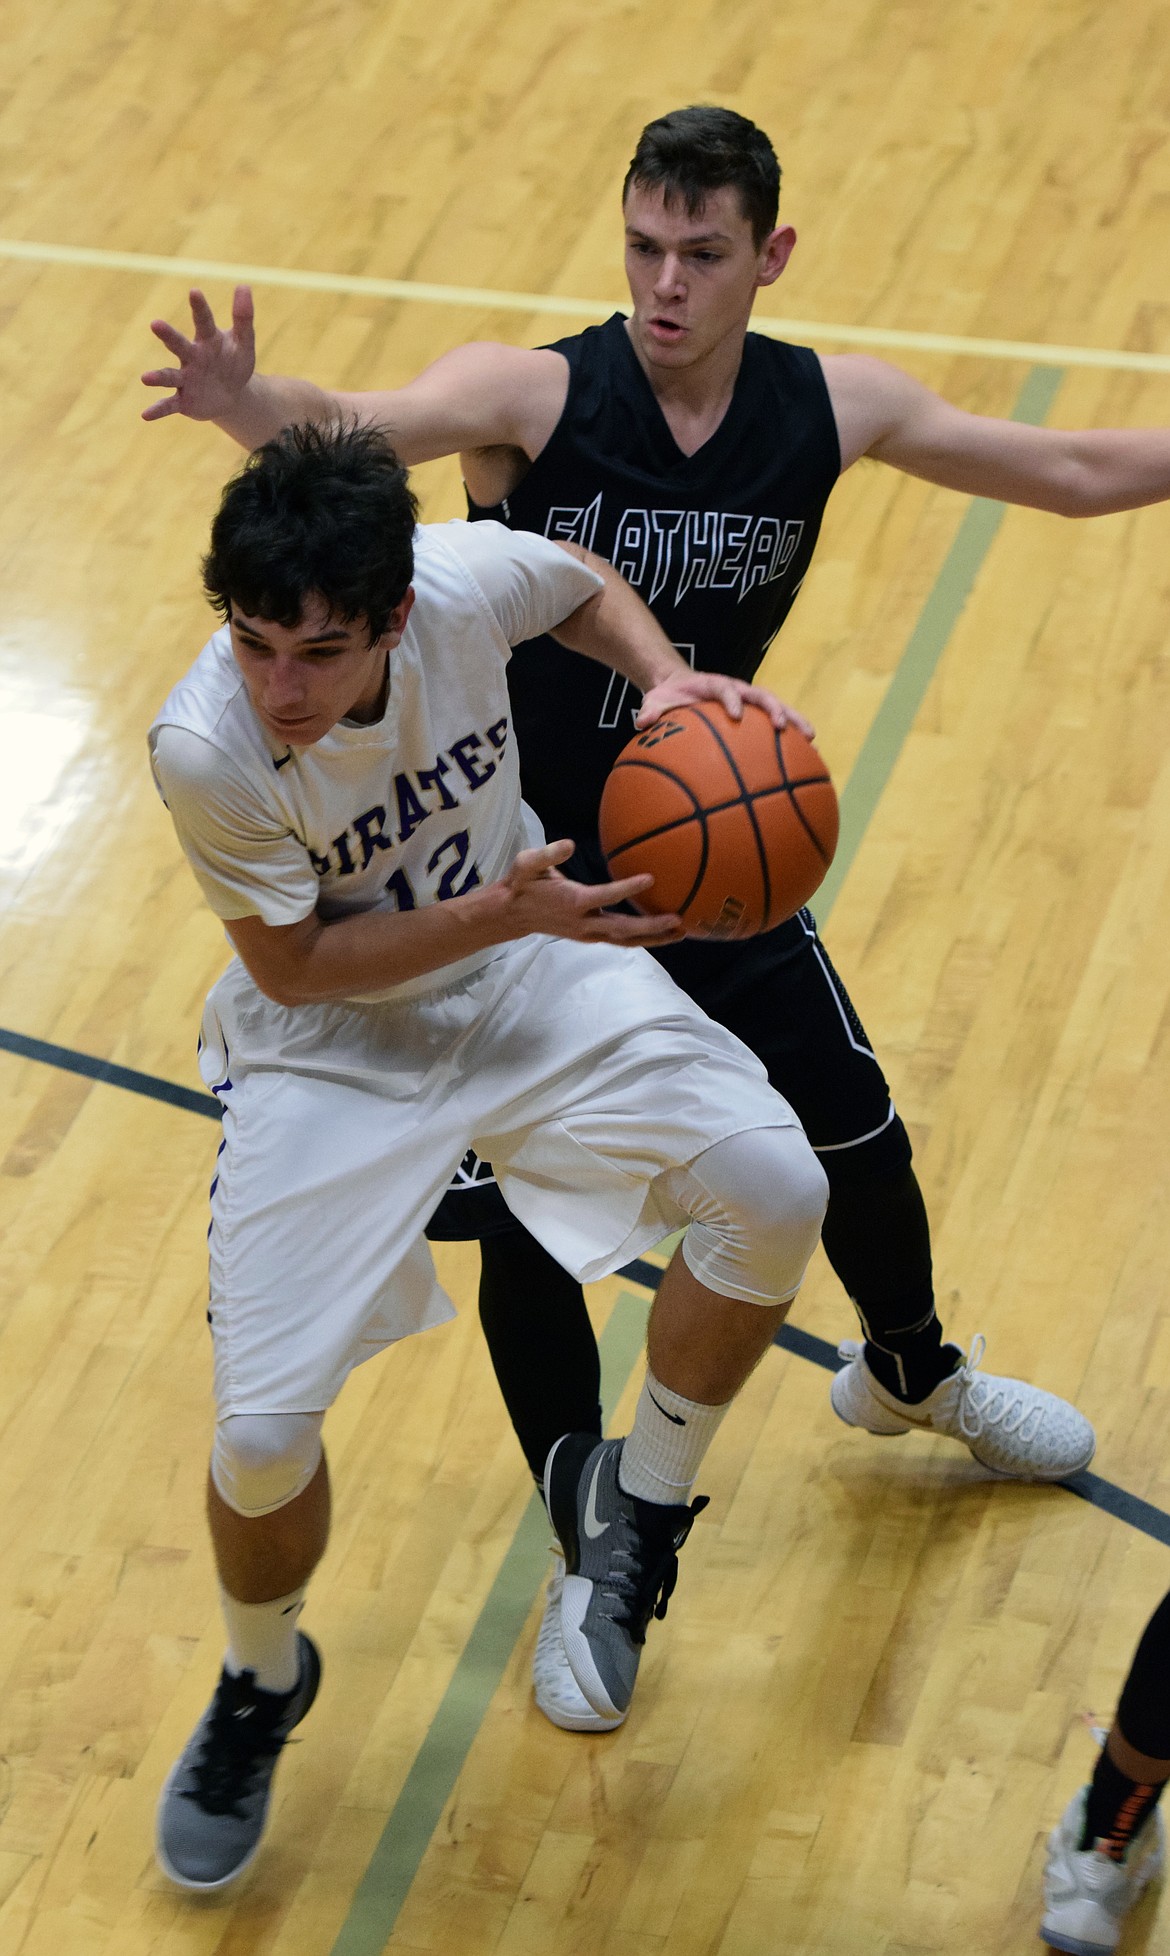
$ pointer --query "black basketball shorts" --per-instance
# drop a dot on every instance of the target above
(780, 994)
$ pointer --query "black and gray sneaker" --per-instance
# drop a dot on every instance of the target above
(213, 1807)
(621, 1564)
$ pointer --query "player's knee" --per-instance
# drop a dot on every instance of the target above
(753, 1234)
(880, 1161)
(262, 1461)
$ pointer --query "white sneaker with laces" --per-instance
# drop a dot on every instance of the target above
(1011, 1428)
(1087, 1894)
(558, 1695)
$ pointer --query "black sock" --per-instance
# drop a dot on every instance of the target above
(541, 1343)
(1117, 1808)
(877, 1238)
(911, 1363)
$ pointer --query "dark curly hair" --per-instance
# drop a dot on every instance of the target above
(323, 512)
(692, 152)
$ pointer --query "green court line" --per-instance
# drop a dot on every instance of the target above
(907, 689)
(476, 1678)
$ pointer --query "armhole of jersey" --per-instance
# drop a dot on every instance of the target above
(830, 416)
(499, 512)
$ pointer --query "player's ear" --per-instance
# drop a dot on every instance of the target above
(775, 252)
(396, 623)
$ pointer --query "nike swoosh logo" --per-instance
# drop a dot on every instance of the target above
(283, 762)
(672, 1417)
(593, 1527)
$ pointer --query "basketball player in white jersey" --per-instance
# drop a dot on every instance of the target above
(651, 436)
(413, 977)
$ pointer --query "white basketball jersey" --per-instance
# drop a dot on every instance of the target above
(420, 806)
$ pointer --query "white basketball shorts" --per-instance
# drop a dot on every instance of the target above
(580, 1071)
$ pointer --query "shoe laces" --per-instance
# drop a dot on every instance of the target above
(985, 1402)
(643, 1567)
(243, 1734)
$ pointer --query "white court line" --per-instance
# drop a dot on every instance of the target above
(1035, 352)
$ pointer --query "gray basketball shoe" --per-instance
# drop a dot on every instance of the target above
(557, 1693)
(621, 1564)
(213, 1807)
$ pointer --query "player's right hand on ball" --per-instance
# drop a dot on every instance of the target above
(544, 901)
(214, 368)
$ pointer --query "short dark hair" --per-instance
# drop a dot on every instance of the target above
(319, 511)
(692, 152)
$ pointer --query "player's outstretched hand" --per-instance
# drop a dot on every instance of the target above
(734, 694)
(543, 901)
(214, 368)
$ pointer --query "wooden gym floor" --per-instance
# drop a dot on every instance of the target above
(867, 1704)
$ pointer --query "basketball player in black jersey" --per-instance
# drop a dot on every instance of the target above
(698, 458)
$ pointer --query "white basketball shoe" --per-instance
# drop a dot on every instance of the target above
(1011, 1428)
(1087, 1894)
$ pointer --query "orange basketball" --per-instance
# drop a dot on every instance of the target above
(736, 822)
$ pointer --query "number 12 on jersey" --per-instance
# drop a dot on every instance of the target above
(454, 852)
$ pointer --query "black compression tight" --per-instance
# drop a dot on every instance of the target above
(545, 1356)
(541, 1343)
(1143, 1711)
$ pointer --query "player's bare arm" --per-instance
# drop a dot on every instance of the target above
(313, 961)
(496, 403)
(620, 631)
(886, 414)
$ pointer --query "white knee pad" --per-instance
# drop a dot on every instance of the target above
(756, 1203)
(262, 1461)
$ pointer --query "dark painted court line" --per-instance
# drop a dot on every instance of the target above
(110, 1075)
(641, 1272)
(1117, 1501)
(1093, 1488)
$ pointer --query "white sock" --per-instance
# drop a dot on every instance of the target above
(663, 1453)
(262, 1637)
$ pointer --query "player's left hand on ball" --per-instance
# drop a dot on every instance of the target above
(732, 694)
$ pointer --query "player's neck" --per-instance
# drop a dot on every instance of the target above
(694, 399)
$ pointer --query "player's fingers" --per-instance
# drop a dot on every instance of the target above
(158, 409)
(636, 932)
(602, 895)
(730, 696)
(780, 714)
(531, 864)
(243, 316)
(162, 377)
(174, 341)
(201, 313)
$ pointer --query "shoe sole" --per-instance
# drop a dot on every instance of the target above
(590, 1721)
(160, 1854)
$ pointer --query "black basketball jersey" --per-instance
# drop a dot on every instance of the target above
(716, 543)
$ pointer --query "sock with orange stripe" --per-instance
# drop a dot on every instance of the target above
(1117, 1808)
